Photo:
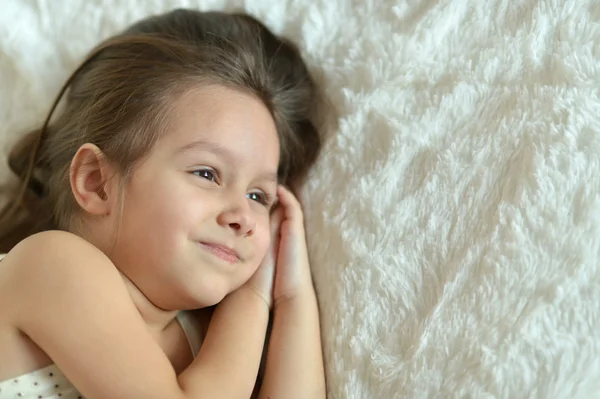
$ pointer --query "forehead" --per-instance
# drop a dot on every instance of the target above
(236, 122)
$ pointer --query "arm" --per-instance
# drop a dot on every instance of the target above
(294, 358)
(81, 315)
(230, 354)
(294, 367)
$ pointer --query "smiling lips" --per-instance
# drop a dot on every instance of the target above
(221, 251)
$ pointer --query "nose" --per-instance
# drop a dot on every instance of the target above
(238, 217)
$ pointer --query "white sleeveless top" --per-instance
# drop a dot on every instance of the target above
(50, 383)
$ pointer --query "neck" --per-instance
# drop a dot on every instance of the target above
(156, 319)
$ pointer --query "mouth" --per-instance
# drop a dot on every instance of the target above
(221, 251)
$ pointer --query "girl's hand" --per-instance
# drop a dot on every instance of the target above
(292, 272)
(261, 281)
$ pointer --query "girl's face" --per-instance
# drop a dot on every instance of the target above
(195, 222)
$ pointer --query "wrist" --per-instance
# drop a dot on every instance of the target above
(301, 297)
(254, 296)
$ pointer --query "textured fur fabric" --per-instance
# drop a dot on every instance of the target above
(453, 218)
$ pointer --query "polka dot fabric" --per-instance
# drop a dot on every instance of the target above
(50, 383)
(45, 383)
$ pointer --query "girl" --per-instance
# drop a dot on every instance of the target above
(158, 188)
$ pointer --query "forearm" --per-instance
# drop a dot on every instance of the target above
(294, 359)
(228, 362)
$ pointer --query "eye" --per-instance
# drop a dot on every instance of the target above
(260, 197)
(206, 173)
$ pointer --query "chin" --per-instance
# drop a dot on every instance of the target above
(205, 300)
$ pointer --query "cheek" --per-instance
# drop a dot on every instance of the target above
(156, 219)
(263, 237)
(261, 243)
(158, 214)
(167, 203)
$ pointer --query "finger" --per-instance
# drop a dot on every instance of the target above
(275, 233)
(286, 197)
(275, 221)
(277, 216)
(288, 200)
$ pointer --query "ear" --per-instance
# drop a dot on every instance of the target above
(91, 181)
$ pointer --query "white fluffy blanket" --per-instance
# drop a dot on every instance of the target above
(454, 215)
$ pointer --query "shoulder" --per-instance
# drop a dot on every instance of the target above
(54, 262)
(71, 301)
(52, 251)
(52, 243)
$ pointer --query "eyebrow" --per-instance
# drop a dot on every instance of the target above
(209, 146)
(218, 149)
